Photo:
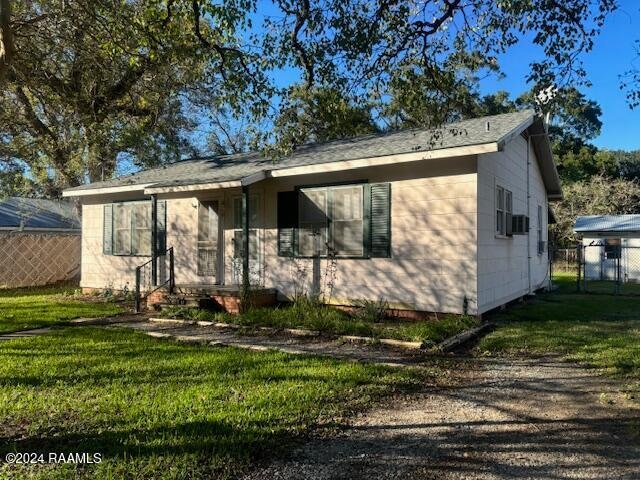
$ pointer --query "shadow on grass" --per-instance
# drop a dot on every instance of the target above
(147, 404)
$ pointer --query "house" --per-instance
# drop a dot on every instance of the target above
(39, 242)
(611, 246)
(446, 220)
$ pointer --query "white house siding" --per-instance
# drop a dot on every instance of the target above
(433, 219)
(100, 270)
(502, 261)
(433, 263)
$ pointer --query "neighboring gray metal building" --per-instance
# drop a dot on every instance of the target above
(611, 246)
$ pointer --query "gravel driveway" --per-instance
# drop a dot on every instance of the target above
(505, 419)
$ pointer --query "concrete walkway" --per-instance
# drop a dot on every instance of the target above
(297, 345)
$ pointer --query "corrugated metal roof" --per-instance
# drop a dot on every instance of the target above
(607, 223)
(226, 168)
(32, 213)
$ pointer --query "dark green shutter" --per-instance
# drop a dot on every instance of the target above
(162, 227)
(107, 230)
(287, 223)
(380, 223)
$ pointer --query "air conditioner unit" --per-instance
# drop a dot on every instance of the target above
(520, 225)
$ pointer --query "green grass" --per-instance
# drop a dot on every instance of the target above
(332, 321)
(159, 409)
(21, 309)
(600, 330)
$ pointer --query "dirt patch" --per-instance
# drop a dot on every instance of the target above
(505, 419)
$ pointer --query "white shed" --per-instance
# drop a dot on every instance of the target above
(610, 242)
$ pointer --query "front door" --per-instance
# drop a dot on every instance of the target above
(208, 240)
(255, 257)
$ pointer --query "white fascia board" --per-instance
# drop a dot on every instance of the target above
(386, 160)
(105, 190)
(515, 132)
(193, 187)
(255, 178)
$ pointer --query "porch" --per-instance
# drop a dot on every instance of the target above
(227, 298)
(200, 253)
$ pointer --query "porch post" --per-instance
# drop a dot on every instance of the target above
(154, 240)
(245, 236)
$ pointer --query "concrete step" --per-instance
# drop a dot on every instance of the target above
(193, 301)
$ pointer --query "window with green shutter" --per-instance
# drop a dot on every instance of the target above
(351, 221)
(127, 228)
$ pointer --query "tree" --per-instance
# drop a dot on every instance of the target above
(321, 115)
(90, 82)
(366, 42)
(628, 163)
(87, 82)
(230, 135)
(598, 195)
(589, 161)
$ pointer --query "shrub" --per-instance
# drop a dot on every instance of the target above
(372, 311)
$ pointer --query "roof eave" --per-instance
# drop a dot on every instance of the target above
(542, 147)
(328, 167)
(76, 192)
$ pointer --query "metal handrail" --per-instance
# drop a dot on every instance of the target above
(170, 281)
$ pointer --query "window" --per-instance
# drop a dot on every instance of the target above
(127, 228)
(504, 211)
(612, 248)
(347, 221)
(207, 238)
(508, 212)
(132, 229)
(313, 222)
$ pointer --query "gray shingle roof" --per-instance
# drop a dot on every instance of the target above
(37, 213)
(607, 223)
(235, 167)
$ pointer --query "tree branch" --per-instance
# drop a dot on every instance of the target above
(7, 46)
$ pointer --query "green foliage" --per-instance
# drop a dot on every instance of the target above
(163, 410)
(89, 86)
(95, 83)
(597, 195)
(321, 115)
(371, 311)
(586, 163)
(21, 309)
(308, 313)
(628, 162)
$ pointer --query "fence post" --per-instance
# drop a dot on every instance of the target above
(579, 262)
(619, 269)
(137, 290)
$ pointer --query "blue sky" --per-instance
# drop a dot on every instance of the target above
(612, 55)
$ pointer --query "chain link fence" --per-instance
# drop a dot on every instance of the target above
(604, 266)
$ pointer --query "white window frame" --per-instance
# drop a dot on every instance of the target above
(327, 236)
(131, 207)
(503, 210)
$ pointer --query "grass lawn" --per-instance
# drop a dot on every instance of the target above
(336, 322)
(159, 409)
(25, 308)
(600, 330)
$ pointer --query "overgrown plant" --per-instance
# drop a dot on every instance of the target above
(330, 274)
(372, 311)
